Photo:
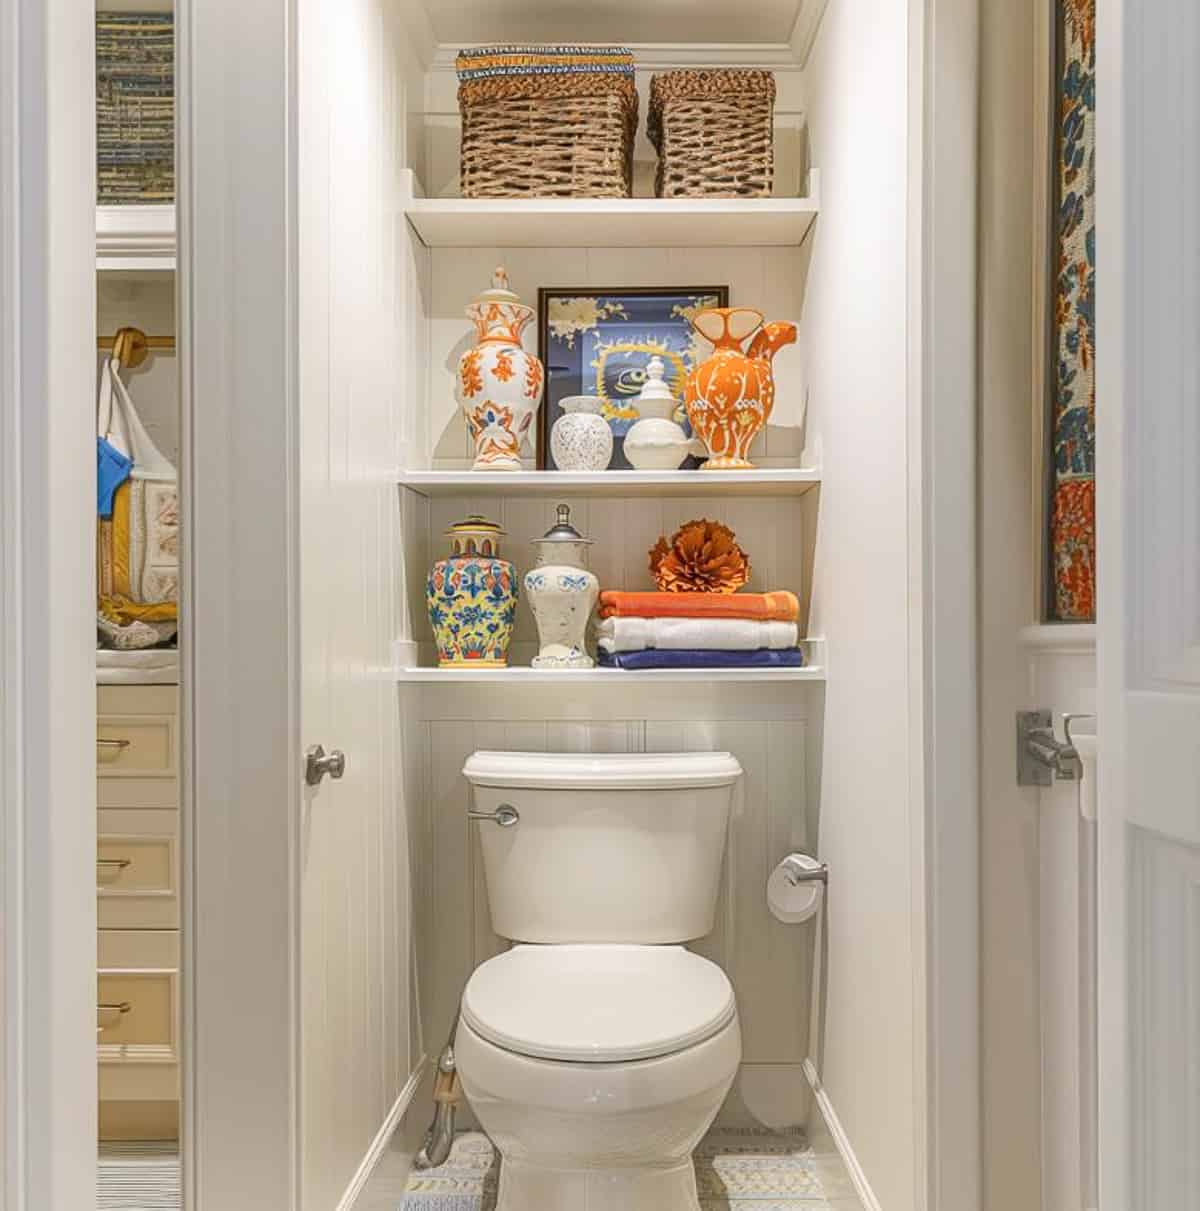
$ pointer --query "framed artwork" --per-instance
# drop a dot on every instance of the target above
(1071, 310)
(599, 342)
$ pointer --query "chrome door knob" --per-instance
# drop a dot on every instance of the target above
(317, 764)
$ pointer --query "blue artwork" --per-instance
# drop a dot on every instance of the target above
(599, 343)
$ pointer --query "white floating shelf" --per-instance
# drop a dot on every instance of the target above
(613, 222)
(528, 676)
(763, 481)
(135, 239)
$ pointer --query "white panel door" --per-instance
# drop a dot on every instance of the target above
(355, 1053)
(1148, 409)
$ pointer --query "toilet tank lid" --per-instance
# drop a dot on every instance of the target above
(602, 771)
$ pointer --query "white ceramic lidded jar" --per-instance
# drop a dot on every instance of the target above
(562, 594)
(656, 442)
(581, 439)
(499, 385)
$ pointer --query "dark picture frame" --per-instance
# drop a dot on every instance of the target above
(597, 341)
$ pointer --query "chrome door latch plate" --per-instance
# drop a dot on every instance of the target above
(1030, 771)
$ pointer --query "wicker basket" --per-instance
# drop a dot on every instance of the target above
(714, 133)
(547, 122)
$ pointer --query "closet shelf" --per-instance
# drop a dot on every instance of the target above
(524, 675)
(763, 481)
(135, 239)
(613, 222)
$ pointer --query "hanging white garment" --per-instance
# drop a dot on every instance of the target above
(139, 554)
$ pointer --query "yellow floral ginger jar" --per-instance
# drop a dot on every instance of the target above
(472, 598)
(729, 396)
(499, 385)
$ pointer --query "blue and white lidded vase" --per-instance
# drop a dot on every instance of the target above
(562, 594)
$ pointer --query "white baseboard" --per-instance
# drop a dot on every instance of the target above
(382, 1137)
(841, 1141)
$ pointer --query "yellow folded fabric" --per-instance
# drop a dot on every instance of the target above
(122, 611)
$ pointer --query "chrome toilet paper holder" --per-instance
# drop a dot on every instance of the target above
(797, 871)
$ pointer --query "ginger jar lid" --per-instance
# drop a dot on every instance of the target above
(475, 535)
(498, 311)
(562, 531)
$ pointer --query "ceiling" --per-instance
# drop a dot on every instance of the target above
(467, 22)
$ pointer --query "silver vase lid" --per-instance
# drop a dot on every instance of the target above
(563, 531)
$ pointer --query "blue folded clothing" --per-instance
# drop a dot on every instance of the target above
(703, 658)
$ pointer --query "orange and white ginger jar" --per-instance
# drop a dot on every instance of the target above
(499, 385)
(729, 396)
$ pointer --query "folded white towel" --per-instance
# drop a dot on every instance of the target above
(718, 634)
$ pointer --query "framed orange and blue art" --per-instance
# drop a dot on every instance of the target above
(1071, 571)
(599, 342)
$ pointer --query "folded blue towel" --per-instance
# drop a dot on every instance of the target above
(112, 470)
(704, 658)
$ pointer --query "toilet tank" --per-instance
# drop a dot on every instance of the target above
(620, 847)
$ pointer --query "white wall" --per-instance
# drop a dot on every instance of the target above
(854, 340)
(47, 624)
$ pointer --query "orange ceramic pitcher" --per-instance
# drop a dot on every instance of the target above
(729, 396)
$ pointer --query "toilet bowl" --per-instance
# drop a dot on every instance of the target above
(597, 1051)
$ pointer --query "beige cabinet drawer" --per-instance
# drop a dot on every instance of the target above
(137, 1005)
(137, 746)
(131, 746)
(137, 870)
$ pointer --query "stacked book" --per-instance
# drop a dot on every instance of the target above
(699, 630)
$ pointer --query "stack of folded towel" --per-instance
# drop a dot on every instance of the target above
(699, 630)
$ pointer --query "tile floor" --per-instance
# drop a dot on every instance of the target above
(736, 1170)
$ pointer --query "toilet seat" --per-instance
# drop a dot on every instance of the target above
(598, 1003)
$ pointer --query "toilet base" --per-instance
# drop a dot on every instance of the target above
(525, 1187)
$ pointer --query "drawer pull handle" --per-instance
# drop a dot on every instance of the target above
(119, 863)
(120, 1008)
(118, 744)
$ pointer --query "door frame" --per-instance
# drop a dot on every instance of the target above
(47, 647)
(237, 323)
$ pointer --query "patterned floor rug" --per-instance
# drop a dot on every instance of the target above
(735, 1171)
(139, 1177)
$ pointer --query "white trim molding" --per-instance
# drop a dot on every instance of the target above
(241, 766)
(48, 1077)
(383, 1138)
(804, 32)
(841, 1141)
(943, 292)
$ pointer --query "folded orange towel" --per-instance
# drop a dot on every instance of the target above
(775, 607)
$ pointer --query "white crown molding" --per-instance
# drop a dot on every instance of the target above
(1078, 637)
(804, 32)
(418, 27)
(135, 237)
(663, 56)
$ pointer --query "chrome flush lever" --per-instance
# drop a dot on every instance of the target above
(505, 815)
(317, 764)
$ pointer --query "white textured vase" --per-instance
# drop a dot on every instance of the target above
(562, 594)
(656, 442)
(581, 439)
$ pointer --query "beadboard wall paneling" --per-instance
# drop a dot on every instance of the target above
(774, 813)
(771, 279)
(776, 534)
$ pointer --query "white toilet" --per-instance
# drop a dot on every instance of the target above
(597, 1052)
